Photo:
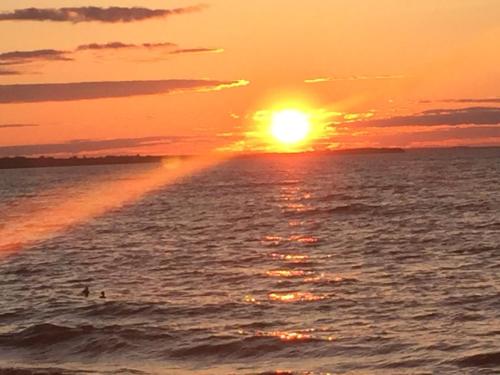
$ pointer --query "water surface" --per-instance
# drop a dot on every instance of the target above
(360, 264)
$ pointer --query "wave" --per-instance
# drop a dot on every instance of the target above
(63, 371)
(37, 371)
(348, 209)
(84, 339)
(337, 197)
(491, 359)
(353, 208)
(244, 348)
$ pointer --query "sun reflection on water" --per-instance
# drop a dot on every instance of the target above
(303, 335)
(290, 297)
(287, 273)
(293, 258)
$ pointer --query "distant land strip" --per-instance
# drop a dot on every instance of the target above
(47, 161)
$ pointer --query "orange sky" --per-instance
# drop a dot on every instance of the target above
(370, 73)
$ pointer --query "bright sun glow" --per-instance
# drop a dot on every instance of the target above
(290, 126)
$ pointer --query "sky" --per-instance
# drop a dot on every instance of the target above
(98, 77)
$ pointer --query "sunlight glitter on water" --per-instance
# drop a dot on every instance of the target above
(286, 273)
(290, 297)
(292, 258)
(297, 238)
(302, 335)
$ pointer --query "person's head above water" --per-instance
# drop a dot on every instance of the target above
(103, 295)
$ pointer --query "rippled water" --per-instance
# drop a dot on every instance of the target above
(367, 264)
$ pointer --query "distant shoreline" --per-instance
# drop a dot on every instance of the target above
(19, 162)
(46, 161)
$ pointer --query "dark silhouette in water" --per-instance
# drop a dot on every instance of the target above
(102, 295)
(85, 292)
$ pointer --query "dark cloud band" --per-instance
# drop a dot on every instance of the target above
(94, 145)
(120, 45)
(47, 92)
(4, 72)
(464, 100)
(435, 117)
(9, 126)
(94, 14)
(22, 57)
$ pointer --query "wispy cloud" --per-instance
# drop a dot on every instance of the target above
(23, 57)
(225, 85)
(352, 78)
(435, 117)
(197, 50)
(46, 92)
(93, 145)
(8, 72)
(120, 45)
(28, 57)
(8, 126)
(464, 100)
(96, 14)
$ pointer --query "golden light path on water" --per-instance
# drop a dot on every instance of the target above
(68, 207)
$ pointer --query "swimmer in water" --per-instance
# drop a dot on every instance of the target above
(85, 292)
(102, 295)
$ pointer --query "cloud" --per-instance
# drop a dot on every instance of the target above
(92, 145)
(27, 57)
(120, 45)
(197, 50)
(81, 145)
(435, 117)
(50, 92)
(23, 57)
(7, 126)
(225, 85)
(92, 13)
(4, 72)
(352, 78)
(466, 100)
(449, 135)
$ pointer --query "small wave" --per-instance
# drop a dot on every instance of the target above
(235, 348)
(121, 309)
(257, 344)
(336, 197)
(353, 208)
(43, 334)
(326, 279)
(86, 338)
(306, 335)
(491, 359)
(348, 209)
(38, 371)
(62, 371)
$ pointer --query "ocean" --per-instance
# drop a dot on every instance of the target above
(278, 264)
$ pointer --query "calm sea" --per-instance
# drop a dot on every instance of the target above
(360, 264)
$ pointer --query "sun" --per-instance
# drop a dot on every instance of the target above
(290, 126)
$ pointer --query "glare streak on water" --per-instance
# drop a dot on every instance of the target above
(385, 264)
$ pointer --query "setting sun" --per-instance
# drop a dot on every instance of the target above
(290, 126)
